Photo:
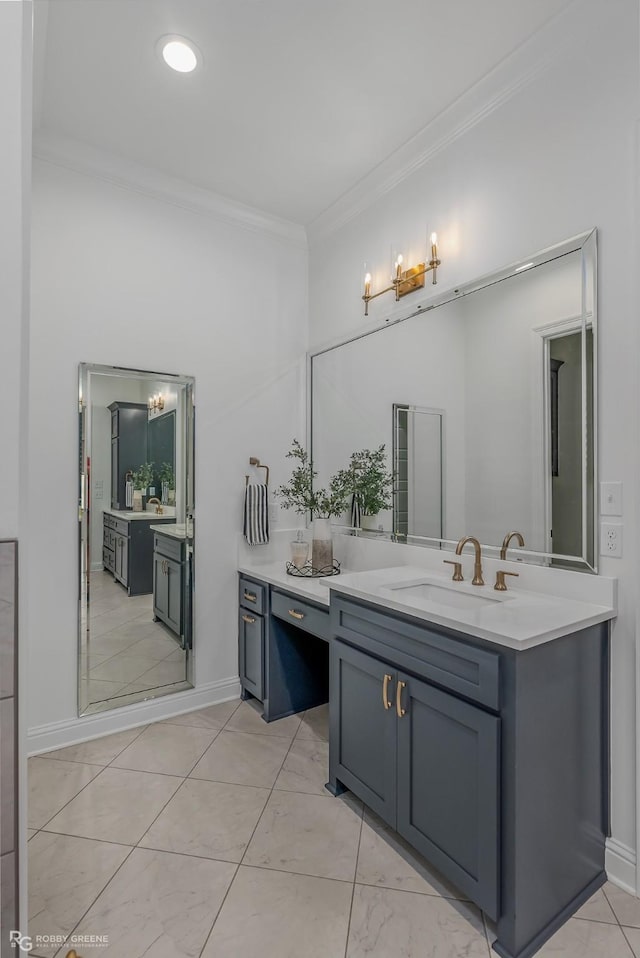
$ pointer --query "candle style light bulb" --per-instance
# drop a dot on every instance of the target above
(434, 246)
(398, 265)
(367, 284)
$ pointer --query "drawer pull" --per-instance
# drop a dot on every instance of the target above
(250, 596)
(296, 615)
(249, 619)
(399, 709)
(385, 691)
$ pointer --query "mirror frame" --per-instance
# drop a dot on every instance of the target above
(585, 244)
(86, 707)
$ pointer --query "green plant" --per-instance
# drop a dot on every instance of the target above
(165, 474)
(299, 493)
(367, 479)
(143, 477)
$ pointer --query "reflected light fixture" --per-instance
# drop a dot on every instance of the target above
(179, 53)
(405, 280)
(156, 403)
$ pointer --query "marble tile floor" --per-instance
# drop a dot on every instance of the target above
(211, 834)
(128, 652)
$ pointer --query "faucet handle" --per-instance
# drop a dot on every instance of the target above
(501, 585)
(457, 569)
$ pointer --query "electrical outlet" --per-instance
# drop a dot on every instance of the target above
(611, 539)
(273, 513)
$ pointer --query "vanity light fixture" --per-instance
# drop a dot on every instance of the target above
(156, 403)
(405, 280)
(179, 53)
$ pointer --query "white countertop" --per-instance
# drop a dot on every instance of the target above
(517, 618)
(177, 530)
(275, 573)
(129, 514)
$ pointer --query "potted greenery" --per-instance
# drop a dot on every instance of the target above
(323, 504)
(142, 479)
(167, 481)
(369, 482)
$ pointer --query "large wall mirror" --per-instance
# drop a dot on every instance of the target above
(136, 522)
(484, 399)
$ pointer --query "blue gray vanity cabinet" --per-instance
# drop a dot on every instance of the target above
(251, 637)
(127, 550)
(169, 561)
(128, 446)
(282, 648)
(492, 762)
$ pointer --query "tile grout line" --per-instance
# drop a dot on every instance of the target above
(353, 887)
(624, 933)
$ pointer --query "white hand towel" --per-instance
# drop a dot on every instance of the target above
(256, 514)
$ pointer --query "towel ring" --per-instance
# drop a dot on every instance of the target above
(256, 462)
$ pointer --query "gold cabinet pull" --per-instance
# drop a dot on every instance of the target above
(385, 691)
(296, 615)
(249, 619)
(400, 686)
(250, 596)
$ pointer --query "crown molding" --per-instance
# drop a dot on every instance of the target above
(512, 75)
(81, 158)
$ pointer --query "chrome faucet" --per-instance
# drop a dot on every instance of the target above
(477, 566)
(507, 539)
(159, 509)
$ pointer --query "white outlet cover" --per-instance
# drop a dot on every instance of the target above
(611, 539)
(610, 498)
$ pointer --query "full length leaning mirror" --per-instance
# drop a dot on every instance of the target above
(136, 532)
(484, 399)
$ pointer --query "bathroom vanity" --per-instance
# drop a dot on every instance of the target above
(170, 576)
(127, 548)
(475, 723)
(283, 632)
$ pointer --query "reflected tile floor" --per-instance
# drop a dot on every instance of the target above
(128, 651)
(210, 834)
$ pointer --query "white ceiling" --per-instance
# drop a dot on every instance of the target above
(297, 100)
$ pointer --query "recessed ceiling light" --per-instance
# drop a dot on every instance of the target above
(179, 53)
(526, 266)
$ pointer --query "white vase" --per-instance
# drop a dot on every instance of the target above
(322, 545)
(137, 500)
(370, 523)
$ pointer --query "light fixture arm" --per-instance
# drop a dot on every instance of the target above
(405, 281)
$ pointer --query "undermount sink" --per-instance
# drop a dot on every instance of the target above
(441, 594)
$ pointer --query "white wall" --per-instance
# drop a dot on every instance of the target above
(123, 279)
(551, 155)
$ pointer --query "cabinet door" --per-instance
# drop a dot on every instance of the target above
(363, 737)
(448, 787)
(251, 653)
(173, 573)
(160, 588)
(115, 494)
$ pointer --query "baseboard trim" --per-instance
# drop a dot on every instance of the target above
(46, 738)
(620, 865)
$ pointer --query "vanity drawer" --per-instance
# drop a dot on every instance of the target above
(305, 616)
(108, 521)
(439, 657)
(121, 526)
(108, 559)
(253, 595)
(168, 546)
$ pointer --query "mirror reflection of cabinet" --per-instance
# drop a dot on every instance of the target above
(128, 446)
(126, 653)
